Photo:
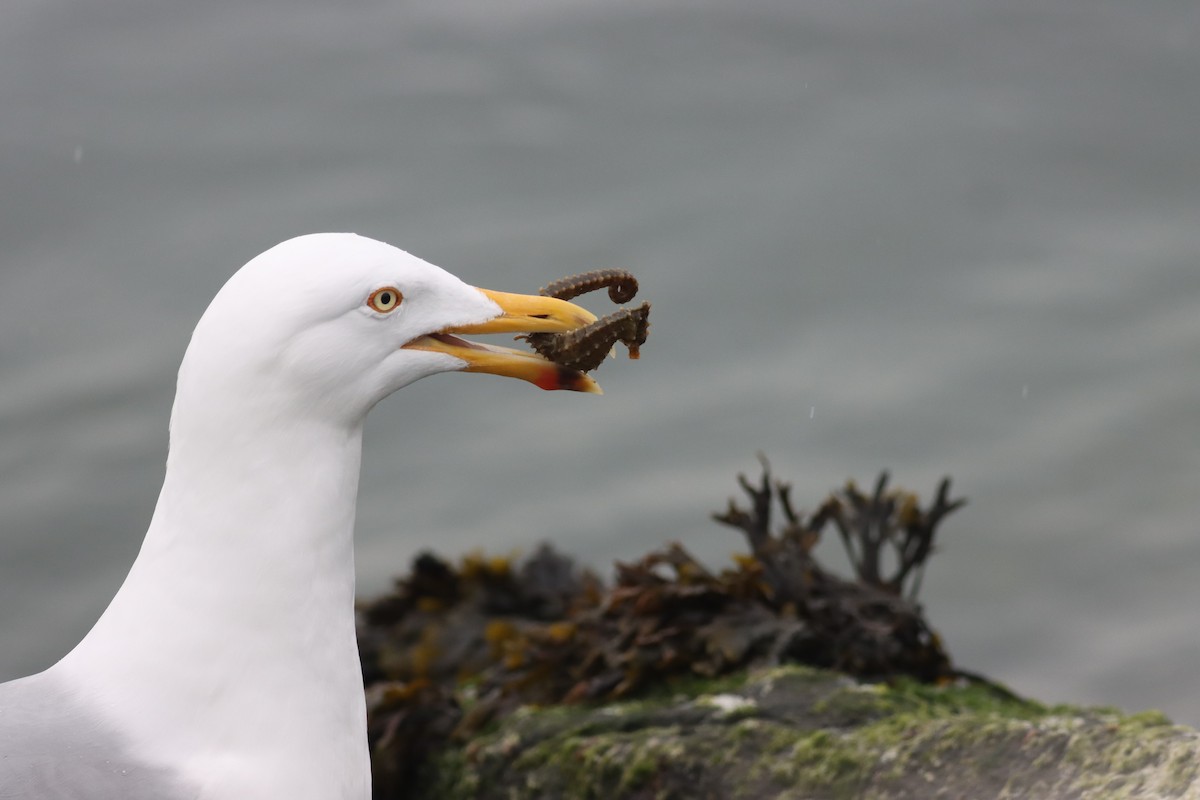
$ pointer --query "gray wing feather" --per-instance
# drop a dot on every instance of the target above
(52, 746)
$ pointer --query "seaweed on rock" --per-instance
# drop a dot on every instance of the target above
(872, 626)
(453, 648)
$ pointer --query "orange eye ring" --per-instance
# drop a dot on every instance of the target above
(385, 300)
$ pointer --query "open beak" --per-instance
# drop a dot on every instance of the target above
(521, 314)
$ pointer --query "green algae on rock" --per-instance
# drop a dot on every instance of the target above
(798, 732)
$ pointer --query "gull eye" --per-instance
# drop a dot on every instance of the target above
(385, 299)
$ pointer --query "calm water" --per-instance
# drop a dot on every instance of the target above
(937, 236)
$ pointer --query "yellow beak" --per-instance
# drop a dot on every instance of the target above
(521, 314)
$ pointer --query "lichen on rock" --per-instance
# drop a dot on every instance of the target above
(806, 733)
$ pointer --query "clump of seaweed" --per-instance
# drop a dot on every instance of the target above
(872, 626)
(585, 349)
(454, 647)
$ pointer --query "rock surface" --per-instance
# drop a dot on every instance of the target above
(797, 732)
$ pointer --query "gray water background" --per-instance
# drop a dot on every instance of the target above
(937, 236)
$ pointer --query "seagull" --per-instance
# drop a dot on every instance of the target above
(226, 666)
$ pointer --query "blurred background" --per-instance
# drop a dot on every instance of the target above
(943, 237)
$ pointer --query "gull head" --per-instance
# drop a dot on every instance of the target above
(330, 324)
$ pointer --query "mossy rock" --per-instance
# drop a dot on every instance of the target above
(796, 733)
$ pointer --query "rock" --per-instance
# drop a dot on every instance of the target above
(797, 732)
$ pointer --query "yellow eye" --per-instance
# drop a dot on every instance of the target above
(385, 299)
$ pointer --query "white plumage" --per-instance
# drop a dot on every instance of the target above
(226, 666)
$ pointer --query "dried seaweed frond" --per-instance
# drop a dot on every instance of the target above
(872, 528)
